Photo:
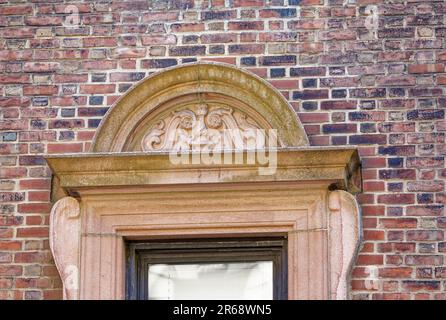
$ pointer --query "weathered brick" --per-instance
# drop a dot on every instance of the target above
(396, 198)
(187, 50)
(405, 174)
(425, 210)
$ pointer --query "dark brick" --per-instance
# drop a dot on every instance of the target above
(277, 60)
(187, 51)
(402, 174)
(367, 127)
(309, 105)
(396, 32)
(98, 77)
(309, 83)
(248, 61)
(68, 112)
(96, 100)
(397, 150)
(158, 63)
(339, 128)
(218, 15)
(307, 72)
(395, 162)
(277, 72)
(425, 115)
(368, 139)
(92, 112)
(40, 101)
(94, 123)
(32, 161)
(339, 93)
(310, 94)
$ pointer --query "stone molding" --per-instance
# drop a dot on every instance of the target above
(174, 88)
(345, 235)
(65, 228)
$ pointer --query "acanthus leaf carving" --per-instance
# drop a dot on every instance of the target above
(202, 128)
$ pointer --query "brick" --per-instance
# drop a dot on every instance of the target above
(425, 235)
(425, 210)
(158, 63)
(413, 285)
(277, 60)
(66, 124)
(97, 88)
(403, 80)
(400, 272)
(278, 13)
(246, 48)
(34, 208)
(65, 148)
(10, 270)
(187, 27)
(308, 72)
(425, 186)
(369, 259)
(425, 114)
(401, 174)
(338, 105)
(248, 3)
(34, 232)
(398, 223)
(16, 10)
(245, 25)
(425, 162)
(397, 150)
(126, 76)
(339, 128)
(396, 32)
(396, 198)
(187, 50)
(310, 94)
(218, 38)
(426, 68)
(368, 139)
(43, 20)
(219, 15)
(99, 42)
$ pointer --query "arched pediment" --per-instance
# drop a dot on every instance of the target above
(210, 96)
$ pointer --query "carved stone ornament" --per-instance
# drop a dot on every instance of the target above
(127, 190)
(234, 98)
(344, 233)
(65, 227)
(204, 128)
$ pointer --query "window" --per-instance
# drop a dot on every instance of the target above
(214, 269)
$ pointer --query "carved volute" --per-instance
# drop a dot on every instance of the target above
(203, 126)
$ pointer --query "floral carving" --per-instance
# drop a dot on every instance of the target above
(204, 128)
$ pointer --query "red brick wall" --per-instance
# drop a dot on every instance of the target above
(380, 88)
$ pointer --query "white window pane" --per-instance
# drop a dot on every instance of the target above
(213, 281)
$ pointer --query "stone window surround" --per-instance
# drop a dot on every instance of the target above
(114, 194)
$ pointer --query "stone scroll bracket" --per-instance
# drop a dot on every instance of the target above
(65, 227)
(344, 239)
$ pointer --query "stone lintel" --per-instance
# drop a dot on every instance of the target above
(335, 167)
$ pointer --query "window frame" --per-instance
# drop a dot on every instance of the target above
(142, 254)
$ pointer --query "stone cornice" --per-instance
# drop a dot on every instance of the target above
(336, 167)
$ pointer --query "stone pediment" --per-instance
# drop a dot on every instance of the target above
(173, 97)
